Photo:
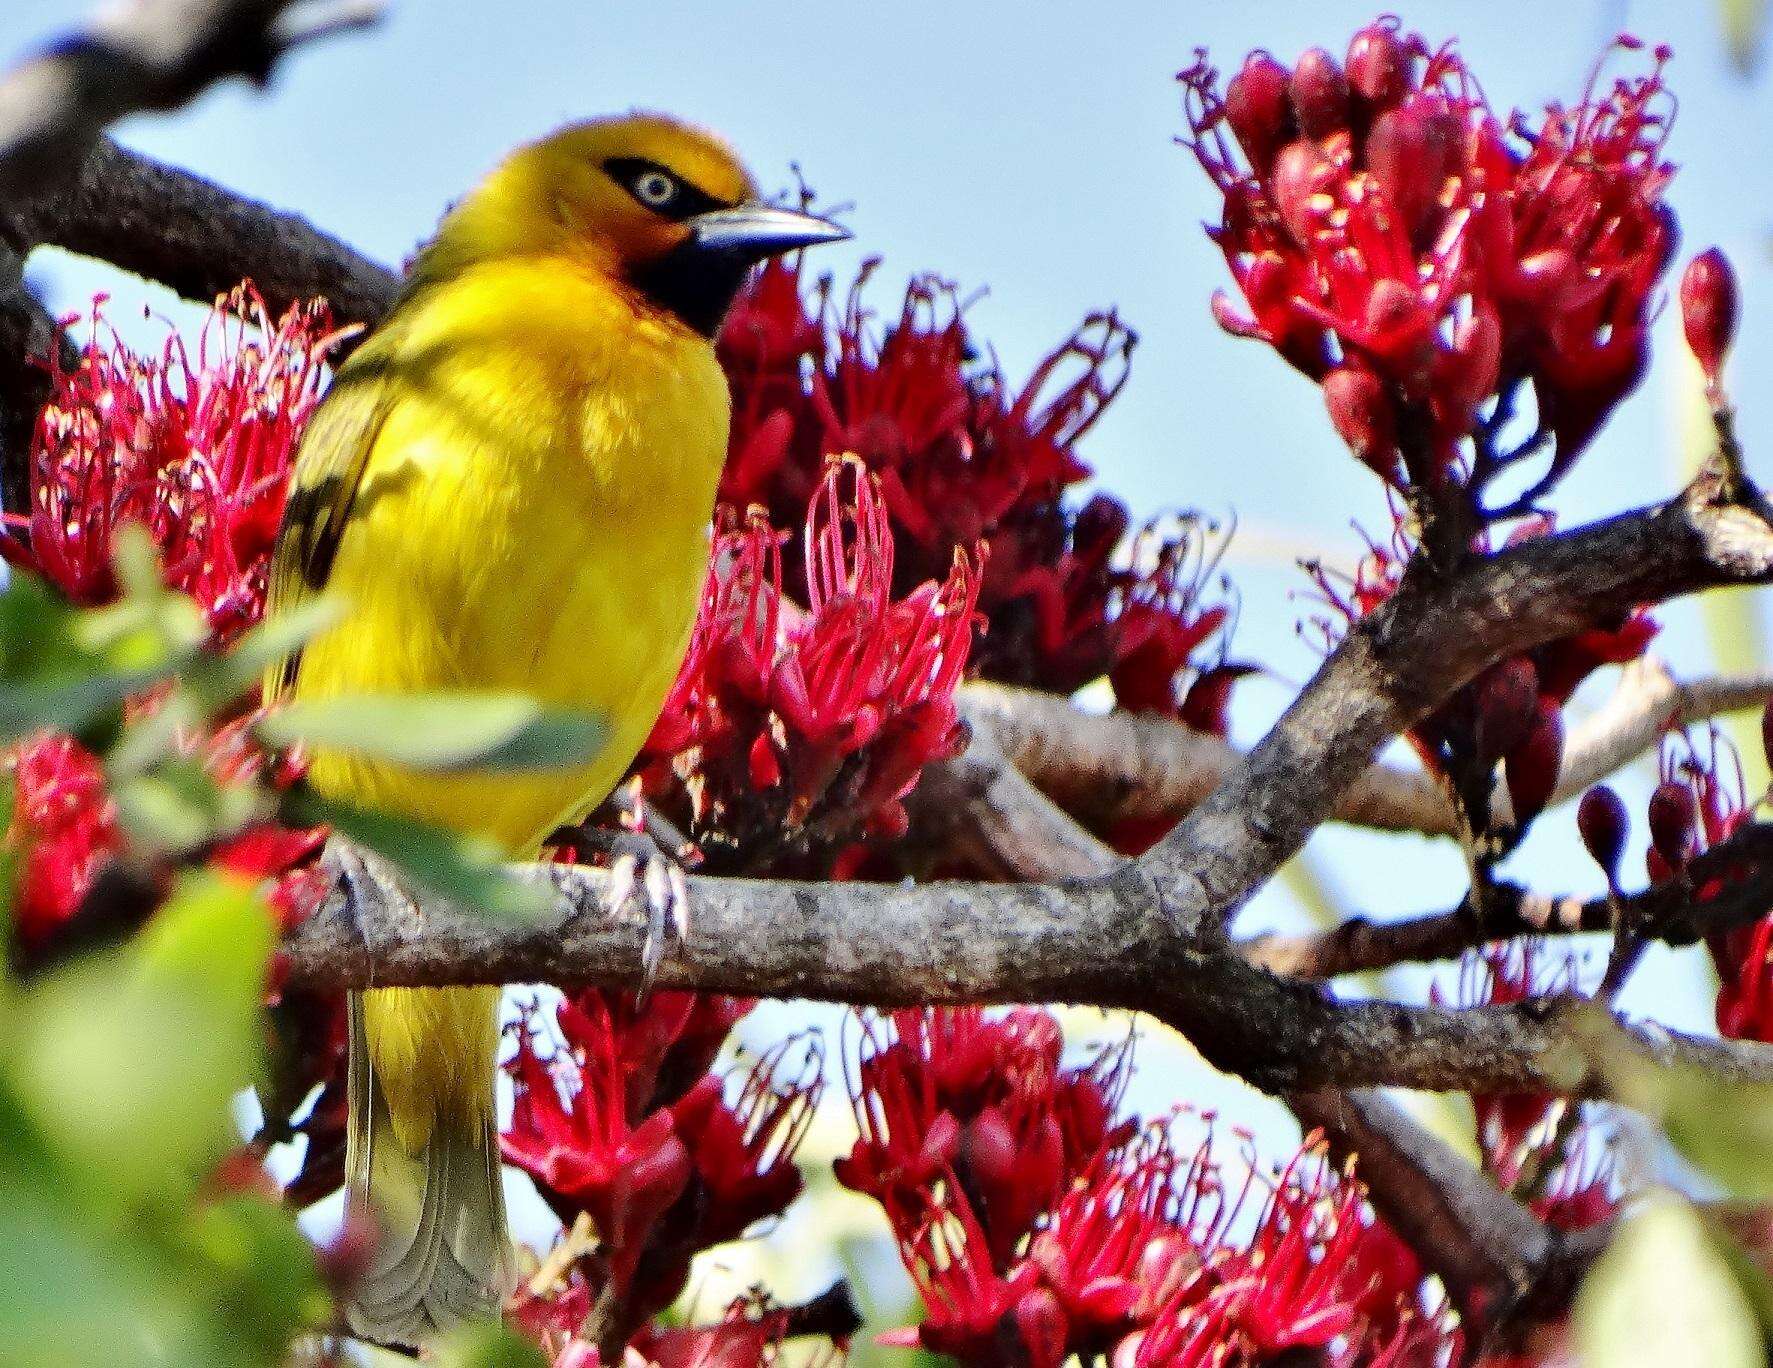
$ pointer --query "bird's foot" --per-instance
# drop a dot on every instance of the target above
(646, 857)
(640, 867)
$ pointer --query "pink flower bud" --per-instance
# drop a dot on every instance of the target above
(1301, 174)
(1320, 94)
(1603, 823)
(1531, 768)
(1259, 110)
(1379, 65)
(1709, 307)
(1507, 704)
(1409, 152)
(1674, 819)
(1364, 416)
(1043, 1328)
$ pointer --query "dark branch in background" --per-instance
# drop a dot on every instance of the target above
(1499, 1262)
(29, 337)
(152, 55)
(196, 238)
(1665, 912)
(1128, 766)
(61, 181)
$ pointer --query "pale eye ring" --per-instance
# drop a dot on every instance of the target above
(653, 188)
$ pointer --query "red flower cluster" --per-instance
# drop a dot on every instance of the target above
(623, 1122)
(1037, 1226)
(1523, 1136)
(64, 826)
(791, 730)
(1512, 713)
(195, 449)
(1424, 262)
(964, 458)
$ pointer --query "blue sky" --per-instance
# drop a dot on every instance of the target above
(1028, 149)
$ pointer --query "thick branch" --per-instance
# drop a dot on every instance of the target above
(197, 238)
(1666, 912)
(1428, 639)
(29, 338)
(1126, 766)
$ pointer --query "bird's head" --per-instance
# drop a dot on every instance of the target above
(659, 204)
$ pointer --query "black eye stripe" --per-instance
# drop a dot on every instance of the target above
(689, 200)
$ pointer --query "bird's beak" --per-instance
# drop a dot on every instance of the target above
(751, 232)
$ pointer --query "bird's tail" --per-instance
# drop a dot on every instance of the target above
(422, 1156)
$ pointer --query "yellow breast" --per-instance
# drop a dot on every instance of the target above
(533, 515)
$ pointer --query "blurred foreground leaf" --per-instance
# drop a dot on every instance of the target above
(467, 873)
(442, 731)
(1724, 1128)
(1664, 1296)
(488, 1346)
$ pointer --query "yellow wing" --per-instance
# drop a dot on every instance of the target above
(323, 491)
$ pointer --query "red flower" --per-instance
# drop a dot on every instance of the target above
(571, 1131)
(64, 825)
(787, 726)
(1422, 259)
(962, 459)
(197, 450)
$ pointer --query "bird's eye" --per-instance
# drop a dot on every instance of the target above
(654, 188)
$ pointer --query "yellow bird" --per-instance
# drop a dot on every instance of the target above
(509, 485)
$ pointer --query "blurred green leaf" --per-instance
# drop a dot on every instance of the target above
(468, 873)
(1743, 21)
(263, 1269)
(180, 807)
(1663, 1296)
(442, 731)
(488, 1346)
(126, 1062)
(1723, 1128)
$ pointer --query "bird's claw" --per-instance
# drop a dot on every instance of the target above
(639, 866)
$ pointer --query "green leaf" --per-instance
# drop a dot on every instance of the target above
(126, 1062)
(1723, 1128)
(442, 731)
(1663, 1296)
(488, 1346)
(260, 1268)
(179, 807)
(467, 873)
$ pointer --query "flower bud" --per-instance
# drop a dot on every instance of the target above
(1364, 416)
(1603, 823)
(1379, 65)
(1674, 819)
(1507, 702)
(1409, 152)
(1320, 94)
(1709, 306)
(1301, 175)
(1043, 1328)
(1259, 109)
(1531, 768)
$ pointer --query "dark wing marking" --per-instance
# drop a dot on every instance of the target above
(323, 491)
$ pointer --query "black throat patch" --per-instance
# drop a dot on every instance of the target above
(695, 284)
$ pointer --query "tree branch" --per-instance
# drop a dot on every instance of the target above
(1128, 766)
(1666, 912)
(151, 55)
(196, 238)
(1499, 1262)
